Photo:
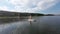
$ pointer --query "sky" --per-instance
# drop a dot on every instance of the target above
(31, 6)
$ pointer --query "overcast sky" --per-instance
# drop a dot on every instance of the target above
(35, 6)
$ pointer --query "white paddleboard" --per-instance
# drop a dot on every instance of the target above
(31, 20)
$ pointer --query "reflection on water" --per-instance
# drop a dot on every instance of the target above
(43, 25)
(7, 20)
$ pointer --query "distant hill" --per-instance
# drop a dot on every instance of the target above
(7, 13)
(49, 15)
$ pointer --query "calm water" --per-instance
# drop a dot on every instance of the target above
(42, 25)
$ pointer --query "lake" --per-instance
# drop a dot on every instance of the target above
(42, 25)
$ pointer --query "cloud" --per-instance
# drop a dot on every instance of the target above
(31, 5)
(3, 8)
(46, 4)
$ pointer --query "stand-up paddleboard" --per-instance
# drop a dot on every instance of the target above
(30, 19)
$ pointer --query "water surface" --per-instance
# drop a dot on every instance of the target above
(42, 25)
